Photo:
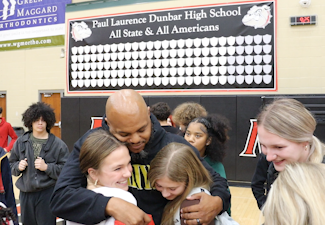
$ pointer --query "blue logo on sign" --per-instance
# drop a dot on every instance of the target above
(31, 13)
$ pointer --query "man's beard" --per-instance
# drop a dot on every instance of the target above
(134, 156)
(137, 156)
(145, 152)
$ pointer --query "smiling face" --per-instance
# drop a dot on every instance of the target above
(281, 151)
(128, 118)
(196, 135)
(133, 130)
(114, 170)
(168, 188)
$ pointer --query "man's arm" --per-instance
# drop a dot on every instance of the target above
(70, 199)
(259, 178)
(12, 134)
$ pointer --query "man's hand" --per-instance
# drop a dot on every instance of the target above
(5, 149)
(126, 212)
(22, 164)
(208, 208)
(40, 164)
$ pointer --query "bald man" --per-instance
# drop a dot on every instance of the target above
(128, 119)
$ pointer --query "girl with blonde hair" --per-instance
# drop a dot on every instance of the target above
(285, 132)
(286, 123)
(297, 196)
(177, 173)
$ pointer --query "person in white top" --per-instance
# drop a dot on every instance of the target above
(107, 165)
(180, 177)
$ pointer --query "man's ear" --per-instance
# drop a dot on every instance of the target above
(108, 124)
(149, 110)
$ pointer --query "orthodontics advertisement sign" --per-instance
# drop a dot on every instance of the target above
(31, 23)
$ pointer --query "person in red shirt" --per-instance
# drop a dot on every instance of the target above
(5, 131)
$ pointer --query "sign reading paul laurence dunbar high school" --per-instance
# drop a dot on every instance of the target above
(212, 47)
(31, 23)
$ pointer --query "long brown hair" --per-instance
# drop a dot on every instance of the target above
(95, 148)
(179, 163)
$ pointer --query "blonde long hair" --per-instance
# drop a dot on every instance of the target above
(289, 119)
(297, 196)
(179, 163)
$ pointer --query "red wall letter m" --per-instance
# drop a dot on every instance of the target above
(251, 141)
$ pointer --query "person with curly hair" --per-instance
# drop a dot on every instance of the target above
(184, 113)
(161, 110)
(38, 158)
(209, 135)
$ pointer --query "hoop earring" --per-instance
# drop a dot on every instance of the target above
(96, 182)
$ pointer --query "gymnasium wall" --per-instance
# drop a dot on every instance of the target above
(240, 162)
(300, 54)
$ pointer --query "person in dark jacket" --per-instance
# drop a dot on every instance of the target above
(162, 112)
(260, 177)
(38, 156)
(128, 119)
(7, 196)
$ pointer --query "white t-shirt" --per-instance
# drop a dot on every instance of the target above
(111, 192)
(223, 219)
